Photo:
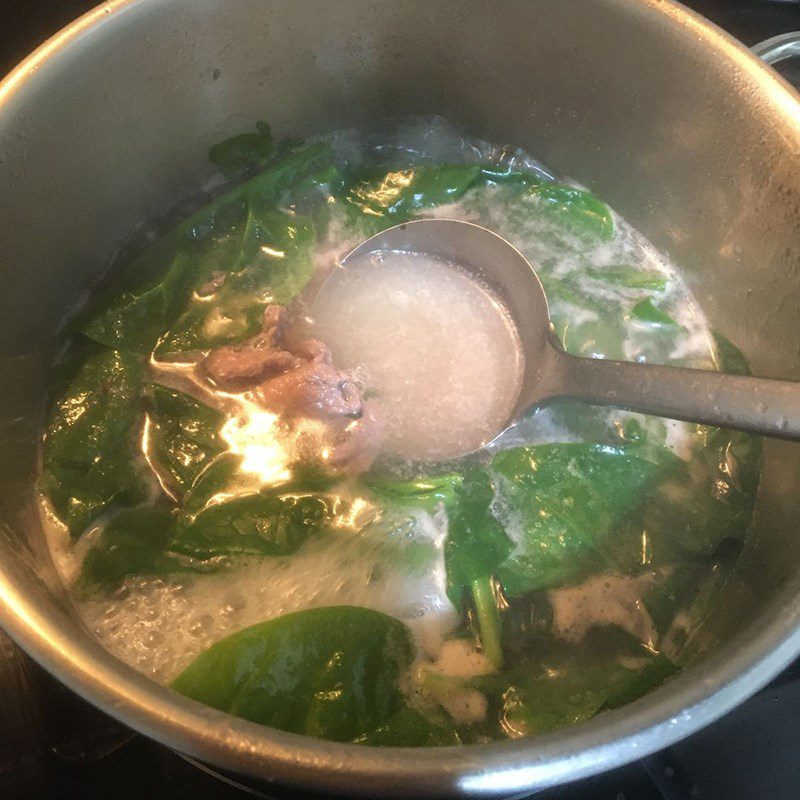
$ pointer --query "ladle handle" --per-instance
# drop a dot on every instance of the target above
(755, 405)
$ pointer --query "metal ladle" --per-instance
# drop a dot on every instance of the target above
(755, 405)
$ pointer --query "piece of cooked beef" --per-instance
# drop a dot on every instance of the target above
(234, 367)
(300, 383)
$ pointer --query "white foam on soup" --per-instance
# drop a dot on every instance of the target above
(159, 625)
(438, 351)
(604, 599)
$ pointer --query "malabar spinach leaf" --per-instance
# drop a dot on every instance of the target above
(378, 199)
(273, 264)
(565, 501)
(245, 153)
(184, 434)
(575, 208)
(136, 542)
(427, 493)
(476, 542)
(647, 311)
(264, 524)
(214, 239)
(547, 696)
(327, 672)
(410, 728)
(628, 277)
(91, 456)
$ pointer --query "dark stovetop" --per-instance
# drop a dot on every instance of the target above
(55, 746)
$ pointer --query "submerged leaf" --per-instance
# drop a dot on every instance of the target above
(584, 325)
(476, 542)
(135, 319)
(559, 694)
(135, 542)
(410, 728)
(647, 311)
(629, 277)
(575, 208)
(730, 358)
(427, 493)
(273, 264)
(326, 672)
(184, 434)
(381, 198)
(704, 502)
(91, 458)
(211, 240)
(244, 153)
(258, 524)
(566, 500)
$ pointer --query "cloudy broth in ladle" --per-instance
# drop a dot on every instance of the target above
(438, 350)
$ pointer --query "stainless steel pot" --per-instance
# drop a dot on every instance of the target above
(676, 125)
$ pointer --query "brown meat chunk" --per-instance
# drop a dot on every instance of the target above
(312, 389)
(360, 443)
(217, 280)
(299, 382)
(314, 350)
(256, 359)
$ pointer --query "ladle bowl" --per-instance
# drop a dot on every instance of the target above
(741, 402)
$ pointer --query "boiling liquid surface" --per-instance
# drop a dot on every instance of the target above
(406, 331)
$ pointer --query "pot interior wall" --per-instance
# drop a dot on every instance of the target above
(114, 131)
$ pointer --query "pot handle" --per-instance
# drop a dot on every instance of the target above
(779, 48)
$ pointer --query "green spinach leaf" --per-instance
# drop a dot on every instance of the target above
(629, 277)
(476, 542)
(566, 500)
(730, 358)
(245, 153)
(647, 311)
(379, 198)
(184, 434)
(262, 524)
(427, 493)
(576, 208)
(548, 696)
(598, 333)
(633, 683)
(135, 542)
(326, 672)
(214, 239)
(221, 479)
(704, 502)
(91, 459)
(572, 208)
(709, 500)
(273, 264)
(410, 728)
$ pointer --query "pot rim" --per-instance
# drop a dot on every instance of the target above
(696, 697)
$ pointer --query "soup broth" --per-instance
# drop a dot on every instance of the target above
(440, 353)
(251, 480)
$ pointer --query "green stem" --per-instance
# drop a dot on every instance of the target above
(488, 620)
